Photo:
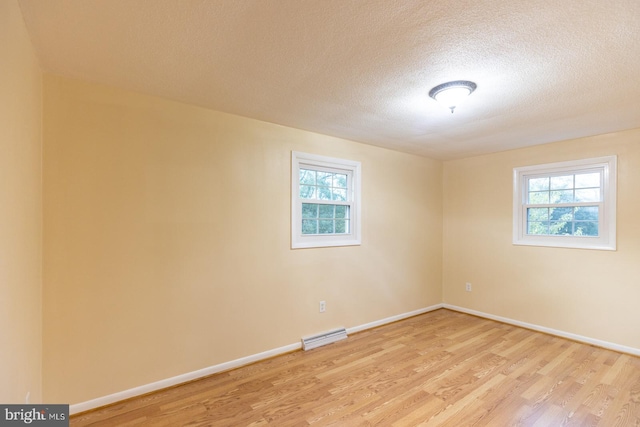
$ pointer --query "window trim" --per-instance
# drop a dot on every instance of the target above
(607, 221)
(314, 161)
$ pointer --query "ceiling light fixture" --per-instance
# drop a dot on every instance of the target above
(452, 93)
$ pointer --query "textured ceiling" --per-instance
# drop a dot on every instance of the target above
(546, 70)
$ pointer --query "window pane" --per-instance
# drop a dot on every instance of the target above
(539, 197)
(324, 179)
(537, 227)
(340, 181)
(309, 226)
(561, 196)
(538, 184)
(309, 210)
(324, 193)
(339, 194)
(321, 218)
(538, 214)
(587, 212)
(342, 211)
(588, 195)
(561, 182)
(560, 228)
(326, 211)
(325, 226)
(307, 192)
(587, 180)
(307, 177)
(586, 228)
(342, 226)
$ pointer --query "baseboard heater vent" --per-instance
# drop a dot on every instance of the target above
(324, 338)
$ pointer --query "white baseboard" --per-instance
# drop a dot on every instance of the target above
(179, 379)
(190, 376)
(392, 319)
(550, 331)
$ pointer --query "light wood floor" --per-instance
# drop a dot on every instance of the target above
(439, 369)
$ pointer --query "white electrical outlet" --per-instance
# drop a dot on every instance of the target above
(468, 287)
(323, 306)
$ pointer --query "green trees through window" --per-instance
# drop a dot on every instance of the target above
(564, 204)
(324, 218)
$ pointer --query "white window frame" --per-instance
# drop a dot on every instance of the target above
(607, 217)
(313, 161)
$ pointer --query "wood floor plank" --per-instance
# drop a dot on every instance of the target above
(441, 368)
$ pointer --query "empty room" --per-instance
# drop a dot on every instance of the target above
(320, 212)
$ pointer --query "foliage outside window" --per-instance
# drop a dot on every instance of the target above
(569, 204)
(325, 201)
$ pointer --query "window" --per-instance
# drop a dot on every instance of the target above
(568, 204)
(325, 201)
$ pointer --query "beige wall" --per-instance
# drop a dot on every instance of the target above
(20, 211)
(585, 292)
(167, 244)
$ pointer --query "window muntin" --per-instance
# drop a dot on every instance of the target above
(569, 204)
(325, 198)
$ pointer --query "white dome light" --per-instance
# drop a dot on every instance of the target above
(451, 94)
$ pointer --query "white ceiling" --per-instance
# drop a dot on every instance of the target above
(546, 70)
